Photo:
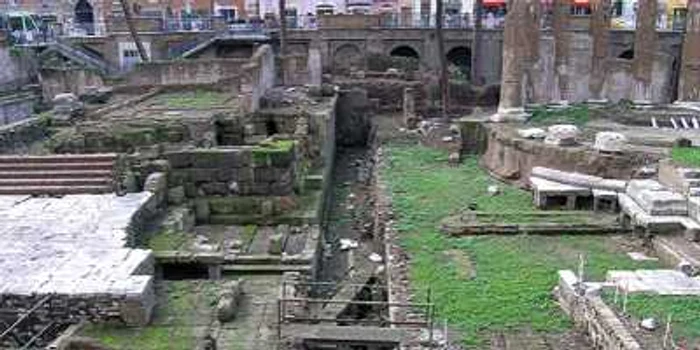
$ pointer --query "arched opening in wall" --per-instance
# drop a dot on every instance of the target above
(84, 17)
(404, 51)
(460, 61)
(627, 55)
(347, 57)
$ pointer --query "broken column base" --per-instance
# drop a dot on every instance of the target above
(643, 103)
(505, 115)
(597, 102)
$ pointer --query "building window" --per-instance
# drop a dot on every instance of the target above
(617, 8)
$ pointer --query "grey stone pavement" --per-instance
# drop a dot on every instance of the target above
(70, 245)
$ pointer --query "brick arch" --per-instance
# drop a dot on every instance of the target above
(404, 50)
(348, 56)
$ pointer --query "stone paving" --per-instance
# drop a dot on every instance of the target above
(72, 245)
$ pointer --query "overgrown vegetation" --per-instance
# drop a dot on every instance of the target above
(264, 151)
(684, 312)
(688, 156)
(183, 307)
(168, 240)
(575, 114)
(196, 99)
(514, 275)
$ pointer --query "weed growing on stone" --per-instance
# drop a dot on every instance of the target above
(168, 240)
(514, 275)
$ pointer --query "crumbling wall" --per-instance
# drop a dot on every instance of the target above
(511, 157)
(387, 92)
(132, 310)
(18, 137)
(185, 72)
(76, 81)
(244, 171)
(620, 82)
(591, 314)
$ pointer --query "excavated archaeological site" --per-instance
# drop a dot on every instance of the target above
(236, 198)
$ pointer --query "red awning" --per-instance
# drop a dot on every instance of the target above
(582, 2)
(494, 3)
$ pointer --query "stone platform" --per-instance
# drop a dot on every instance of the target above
(75, 248)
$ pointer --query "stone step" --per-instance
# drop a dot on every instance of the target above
(54, 190)
(692, 183)
(262, 269)
(97, 181)
(60, 158)
(314, 182)
(690, 173)
(62, 174)
(48, 167)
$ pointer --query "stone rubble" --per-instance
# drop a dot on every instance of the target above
(608, 141)
(562, 135)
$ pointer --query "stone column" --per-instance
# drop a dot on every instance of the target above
(645, 39)
(560, 27)
(600, 32)
(689, 82)
(520, 48)
(409, 105)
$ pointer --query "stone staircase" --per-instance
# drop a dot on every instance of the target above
(691, 181)
(81, 56)
(57, 174)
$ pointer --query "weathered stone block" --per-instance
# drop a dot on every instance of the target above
(176, 195)
(276, 244)
(201, 210)
(229, 300)
(214, 188)
(608, 141)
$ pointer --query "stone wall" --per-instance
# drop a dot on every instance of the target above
(590, 313)
(510, 157)
(17, 107)
(19, 136)
(18, 68)
(76, 81)
(185, 72)
(72, 309)
(621, 84)
(245, 170)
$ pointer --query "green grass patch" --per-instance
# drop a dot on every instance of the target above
(514, 275)
(197, 99)
(684, 311)
(248, 234)
(575, 114)
(167, 240)
(183, 308)
(688, 156)
(265, 151)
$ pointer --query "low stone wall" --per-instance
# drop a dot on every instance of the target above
(131, 310)
(18, 107)
(256, 170)
(510, 157)
(185, 72)
(17, 137)
(591, 314)
(388, 93)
